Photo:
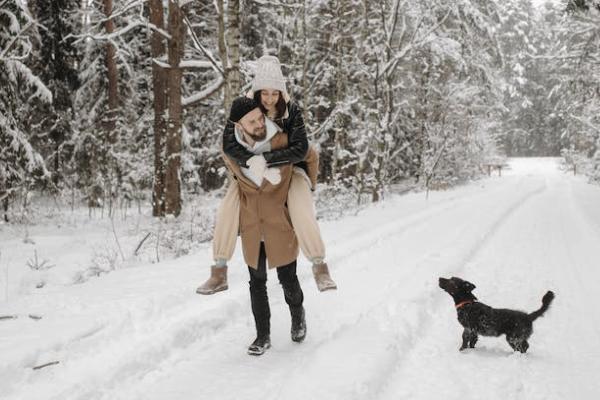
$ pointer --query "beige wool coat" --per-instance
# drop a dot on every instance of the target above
(264, 214)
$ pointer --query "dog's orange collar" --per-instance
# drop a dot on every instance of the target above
(464, 303)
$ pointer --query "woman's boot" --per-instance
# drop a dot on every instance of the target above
(217, 281)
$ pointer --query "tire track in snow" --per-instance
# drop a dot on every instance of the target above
(392, 229)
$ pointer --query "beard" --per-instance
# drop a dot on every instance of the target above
(258, 134)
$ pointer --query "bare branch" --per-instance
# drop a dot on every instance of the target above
(393, 23)
(135, 253)
(46, 365)
(112, 222)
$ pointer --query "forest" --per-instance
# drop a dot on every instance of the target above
(112, 103)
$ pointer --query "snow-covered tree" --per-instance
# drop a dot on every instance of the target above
(55, 61)
(21, 165)
(574, 58)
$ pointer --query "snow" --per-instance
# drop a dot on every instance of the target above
(388, 333)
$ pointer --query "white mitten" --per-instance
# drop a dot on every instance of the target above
(257, 165)
(273, 175)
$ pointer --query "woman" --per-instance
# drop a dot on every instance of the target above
(268, 89)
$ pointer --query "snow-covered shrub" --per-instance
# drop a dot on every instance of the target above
(104, 260)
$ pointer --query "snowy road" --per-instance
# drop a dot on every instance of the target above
(388, 333)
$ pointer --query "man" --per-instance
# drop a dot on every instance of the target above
(265, 228)
(269, 91)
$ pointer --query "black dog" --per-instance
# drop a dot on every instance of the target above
(480, 319)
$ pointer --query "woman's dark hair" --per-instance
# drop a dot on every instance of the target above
(280, 106)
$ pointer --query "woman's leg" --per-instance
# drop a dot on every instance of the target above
(227, 225)
(224, 238)
(304, 220)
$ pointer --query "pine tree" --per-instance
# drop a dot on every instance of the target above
(21, 164)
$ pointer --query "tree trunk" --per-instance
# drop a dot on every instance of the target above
(227, 96)
(159, 78)
(233, 44)
(340, 79)
(111, 67)
(421, 141)
(173, 155)
(305, 93)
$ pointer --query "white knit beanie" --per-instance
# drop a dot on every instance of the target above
(268, 75)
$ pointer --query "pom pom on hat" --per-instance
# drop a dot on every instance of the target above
(268, 75)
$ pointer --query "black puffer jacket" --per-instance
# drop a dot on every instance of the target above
(293, 125)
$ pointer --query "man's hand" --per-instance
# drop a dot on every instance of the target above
(273, 175)
(257, 165)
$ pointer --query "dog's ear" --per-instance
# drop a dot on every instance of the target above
(468, 286)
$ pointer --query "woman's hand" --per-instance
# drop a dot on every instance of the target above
(273, 175)
(257, 165)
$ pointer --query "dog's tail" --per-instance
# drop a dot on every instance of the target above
(546, 300)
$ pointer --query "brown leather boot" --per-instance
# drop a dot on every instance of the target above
(216, 283)
(322, 277)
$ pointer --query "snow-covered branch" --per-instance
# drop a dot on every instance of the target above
(277, 4)
(15, 39)
(123, 11)
(414, 43)
(17, 69)
(586, 122)
(185, 64)
(216, 65)
(206, 93)
(111, 36)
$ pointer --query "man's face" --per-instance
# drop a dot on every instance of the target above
(253, 124)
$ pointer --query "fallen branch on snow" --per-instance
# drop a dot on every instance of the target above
(46, 365)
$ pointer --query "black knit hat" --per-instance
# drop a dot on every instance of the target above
(240, 107)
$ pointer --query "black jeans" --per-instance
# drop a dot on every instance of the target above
(258, 291)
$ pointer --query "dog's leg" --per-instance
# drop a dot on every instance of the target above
(466, 335)
(473, 340)
(512, 342)
(518, 343)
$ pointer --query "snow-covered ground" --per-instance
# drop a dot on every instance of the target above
(389, 332)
